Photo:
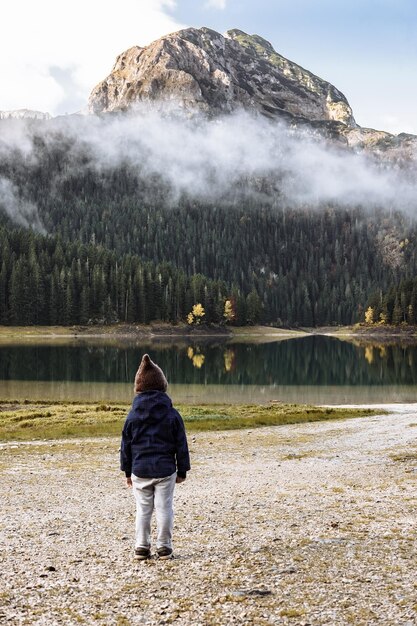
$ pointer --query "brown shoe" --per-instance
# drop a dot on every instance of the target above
(142, 554)
(164, 553)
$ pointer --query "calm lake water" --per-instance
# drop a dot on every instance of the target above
(313, 369)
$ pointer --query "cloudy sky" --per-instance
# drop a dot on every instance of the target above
(52, 53)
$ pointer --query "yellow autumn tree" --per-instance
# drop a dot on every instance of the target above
(196, 315)
(383, 317)
(228, 312)
(369, 315)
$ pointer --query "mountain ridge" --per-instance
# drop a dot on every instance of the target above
(24, 114)
(200, 70)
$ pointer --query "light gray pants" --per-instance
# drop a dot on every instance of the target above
(153, 493)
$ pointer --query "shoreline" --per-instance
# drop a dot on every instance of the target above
(138, 333)
(168, 332)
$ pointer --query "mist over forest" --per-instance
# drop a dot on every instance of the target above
(294, 229)
(205, 160)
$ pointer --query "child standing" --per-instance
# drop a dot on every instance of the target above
(154, 456)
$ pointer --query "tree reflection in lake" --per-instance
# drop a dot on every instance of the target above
(314, 360)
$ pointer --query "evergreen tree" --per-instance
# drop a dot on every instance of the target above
(253, 307)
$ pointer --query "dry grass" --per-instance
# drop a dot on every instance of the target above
(54, 420)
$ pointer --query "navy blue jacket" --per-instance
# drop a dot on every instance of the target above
(154, 443)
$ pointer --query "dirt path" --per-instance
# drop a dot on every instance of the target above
(301, 524)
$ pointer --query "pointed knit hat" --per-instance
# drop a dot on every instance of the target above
(149, 376)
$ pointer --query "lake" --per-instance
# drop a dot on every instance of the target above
(314, 369)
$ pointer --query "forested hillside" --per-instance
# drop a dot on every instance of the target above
(397, 305)
(44, 280)
(130, 248)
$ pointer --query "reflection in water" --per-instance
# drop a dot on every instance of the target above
(369, 354)
(229, 360)
(305, 362)
(197, 358)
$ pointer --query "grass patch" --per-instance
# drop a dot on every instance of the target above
(291, 613)
(231, 417)
(59, 420)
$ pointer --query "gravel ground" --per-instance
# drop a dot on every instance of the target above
(302, 524)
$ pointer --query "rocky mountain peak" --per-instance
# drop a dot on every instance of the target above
(200, 69)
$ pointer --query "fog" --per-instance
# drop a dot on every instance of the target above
(207, 160)
(22, 212)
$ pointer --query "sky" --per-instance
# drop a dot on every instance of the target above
(53, 53)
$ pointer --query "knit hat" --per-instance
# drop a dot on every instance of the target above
(149, 376)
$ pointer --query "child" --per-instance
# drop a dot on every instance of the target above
(154, 456)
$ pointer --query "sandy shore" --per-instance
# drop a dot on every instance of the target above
(302, 524)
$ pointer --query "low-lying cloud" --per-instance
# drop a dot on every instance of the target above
(209, 160)
(21, 211)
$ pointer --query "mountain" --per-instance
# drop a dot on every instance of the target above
(148, 213)
(202, 70)
(24, 114)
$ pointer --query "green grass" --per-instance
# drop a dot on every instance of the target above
(23, 421)
(231, 417)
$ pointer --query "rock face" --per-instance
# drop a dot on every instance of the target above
(201, 69)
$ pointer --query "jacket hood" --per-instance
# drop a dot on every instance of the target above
(151, 405)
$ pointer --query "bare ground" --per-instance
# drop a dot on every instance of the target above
(301, 524)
